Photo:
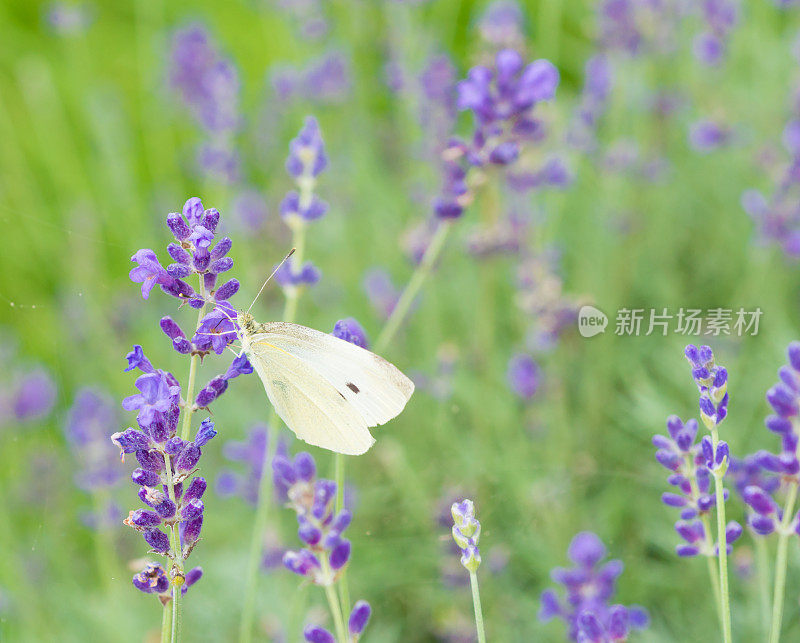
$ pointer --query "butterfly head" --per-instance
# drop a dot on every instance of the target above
(246, 322)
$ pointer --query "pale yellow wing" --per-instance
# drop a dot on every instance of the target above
(374, 387)
(308, 403)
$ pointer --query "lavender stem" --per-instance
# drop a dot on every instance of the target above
(188, 410)
(476, 602)
(762, 563)
(265, 484)
(333, 603)
(719, 491)
(780, 565)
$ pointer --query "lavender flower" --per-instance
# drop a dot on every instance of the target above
(351, 331)
(720, 17)
(691, 477)
(326, 552)
(209, 87)
(467, 533)
(592, 104)
(250, 210)
(502, 100)
(524, 376)
(31, 397)
(251, 453)
(712, 382)
(777, 215)
(707, 135)
(86, 429)
(381, 291)
(764, 474)
(589, 588)
(325, 80)
(500, 25)
(172, 522)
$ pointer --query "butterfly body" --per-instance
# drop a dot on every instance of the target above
(327, 391)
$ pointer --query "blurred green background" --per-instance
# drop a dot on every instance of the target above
(95, 150)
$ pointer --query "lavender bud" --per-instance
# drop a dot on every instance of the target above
(157, 539)
(195, 490)
(210, 219)
(188, 458)
(145, 478)
(304, 466)
(205, 432)
(340, 555)
(221, 265)
(192, 509)
(308, 533)
(227, 290)
(316, 634)
(166, 508)
(190, 531)
(171, 328)
(144, 518)
(178, 226)
(131, 440)
(359, 617)
(151, 460)
(174, 446)
(192, 576)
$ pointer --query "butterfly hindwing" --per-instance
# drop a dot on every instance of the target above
(307, 402)
(375, 388)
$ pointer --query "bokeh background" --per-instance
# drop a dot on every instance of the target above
(97, 145)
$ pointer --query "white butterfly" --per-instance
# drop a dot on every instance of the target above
(327, 391)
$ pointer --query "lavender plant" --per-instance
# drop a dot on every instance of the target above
(466, 534)
(325, 552)
(776, 214)
(208, 84)
(694, 466)
(167, 457)
(765, 477)
(589, 588)
(306, 161)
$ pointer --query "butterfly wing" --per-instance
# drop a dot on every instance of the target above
(376, 389)
(308, 403)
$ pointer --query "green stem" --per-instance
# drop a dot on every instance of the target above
(722, 543)
(336, 611)
(256, 540)
(387, 334)
(762, 570)
(476, 603)
(176, 613)
(344, 586)
(709, 541)
(265, 484)
(177, 557)
(166, 623)
(780, 565)
(412, 288)
(194, 361)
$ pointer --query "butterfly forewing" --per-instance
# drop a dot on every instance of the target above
(375, 388)
(307, 402)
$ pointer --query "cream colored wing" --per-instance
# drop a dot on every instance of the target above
(375, 388)
(309, 404)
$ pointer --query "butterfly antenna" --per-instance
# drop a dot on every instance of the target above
(264, 285)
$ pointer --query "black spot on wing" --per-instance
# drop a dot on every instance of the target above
(352, 387)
